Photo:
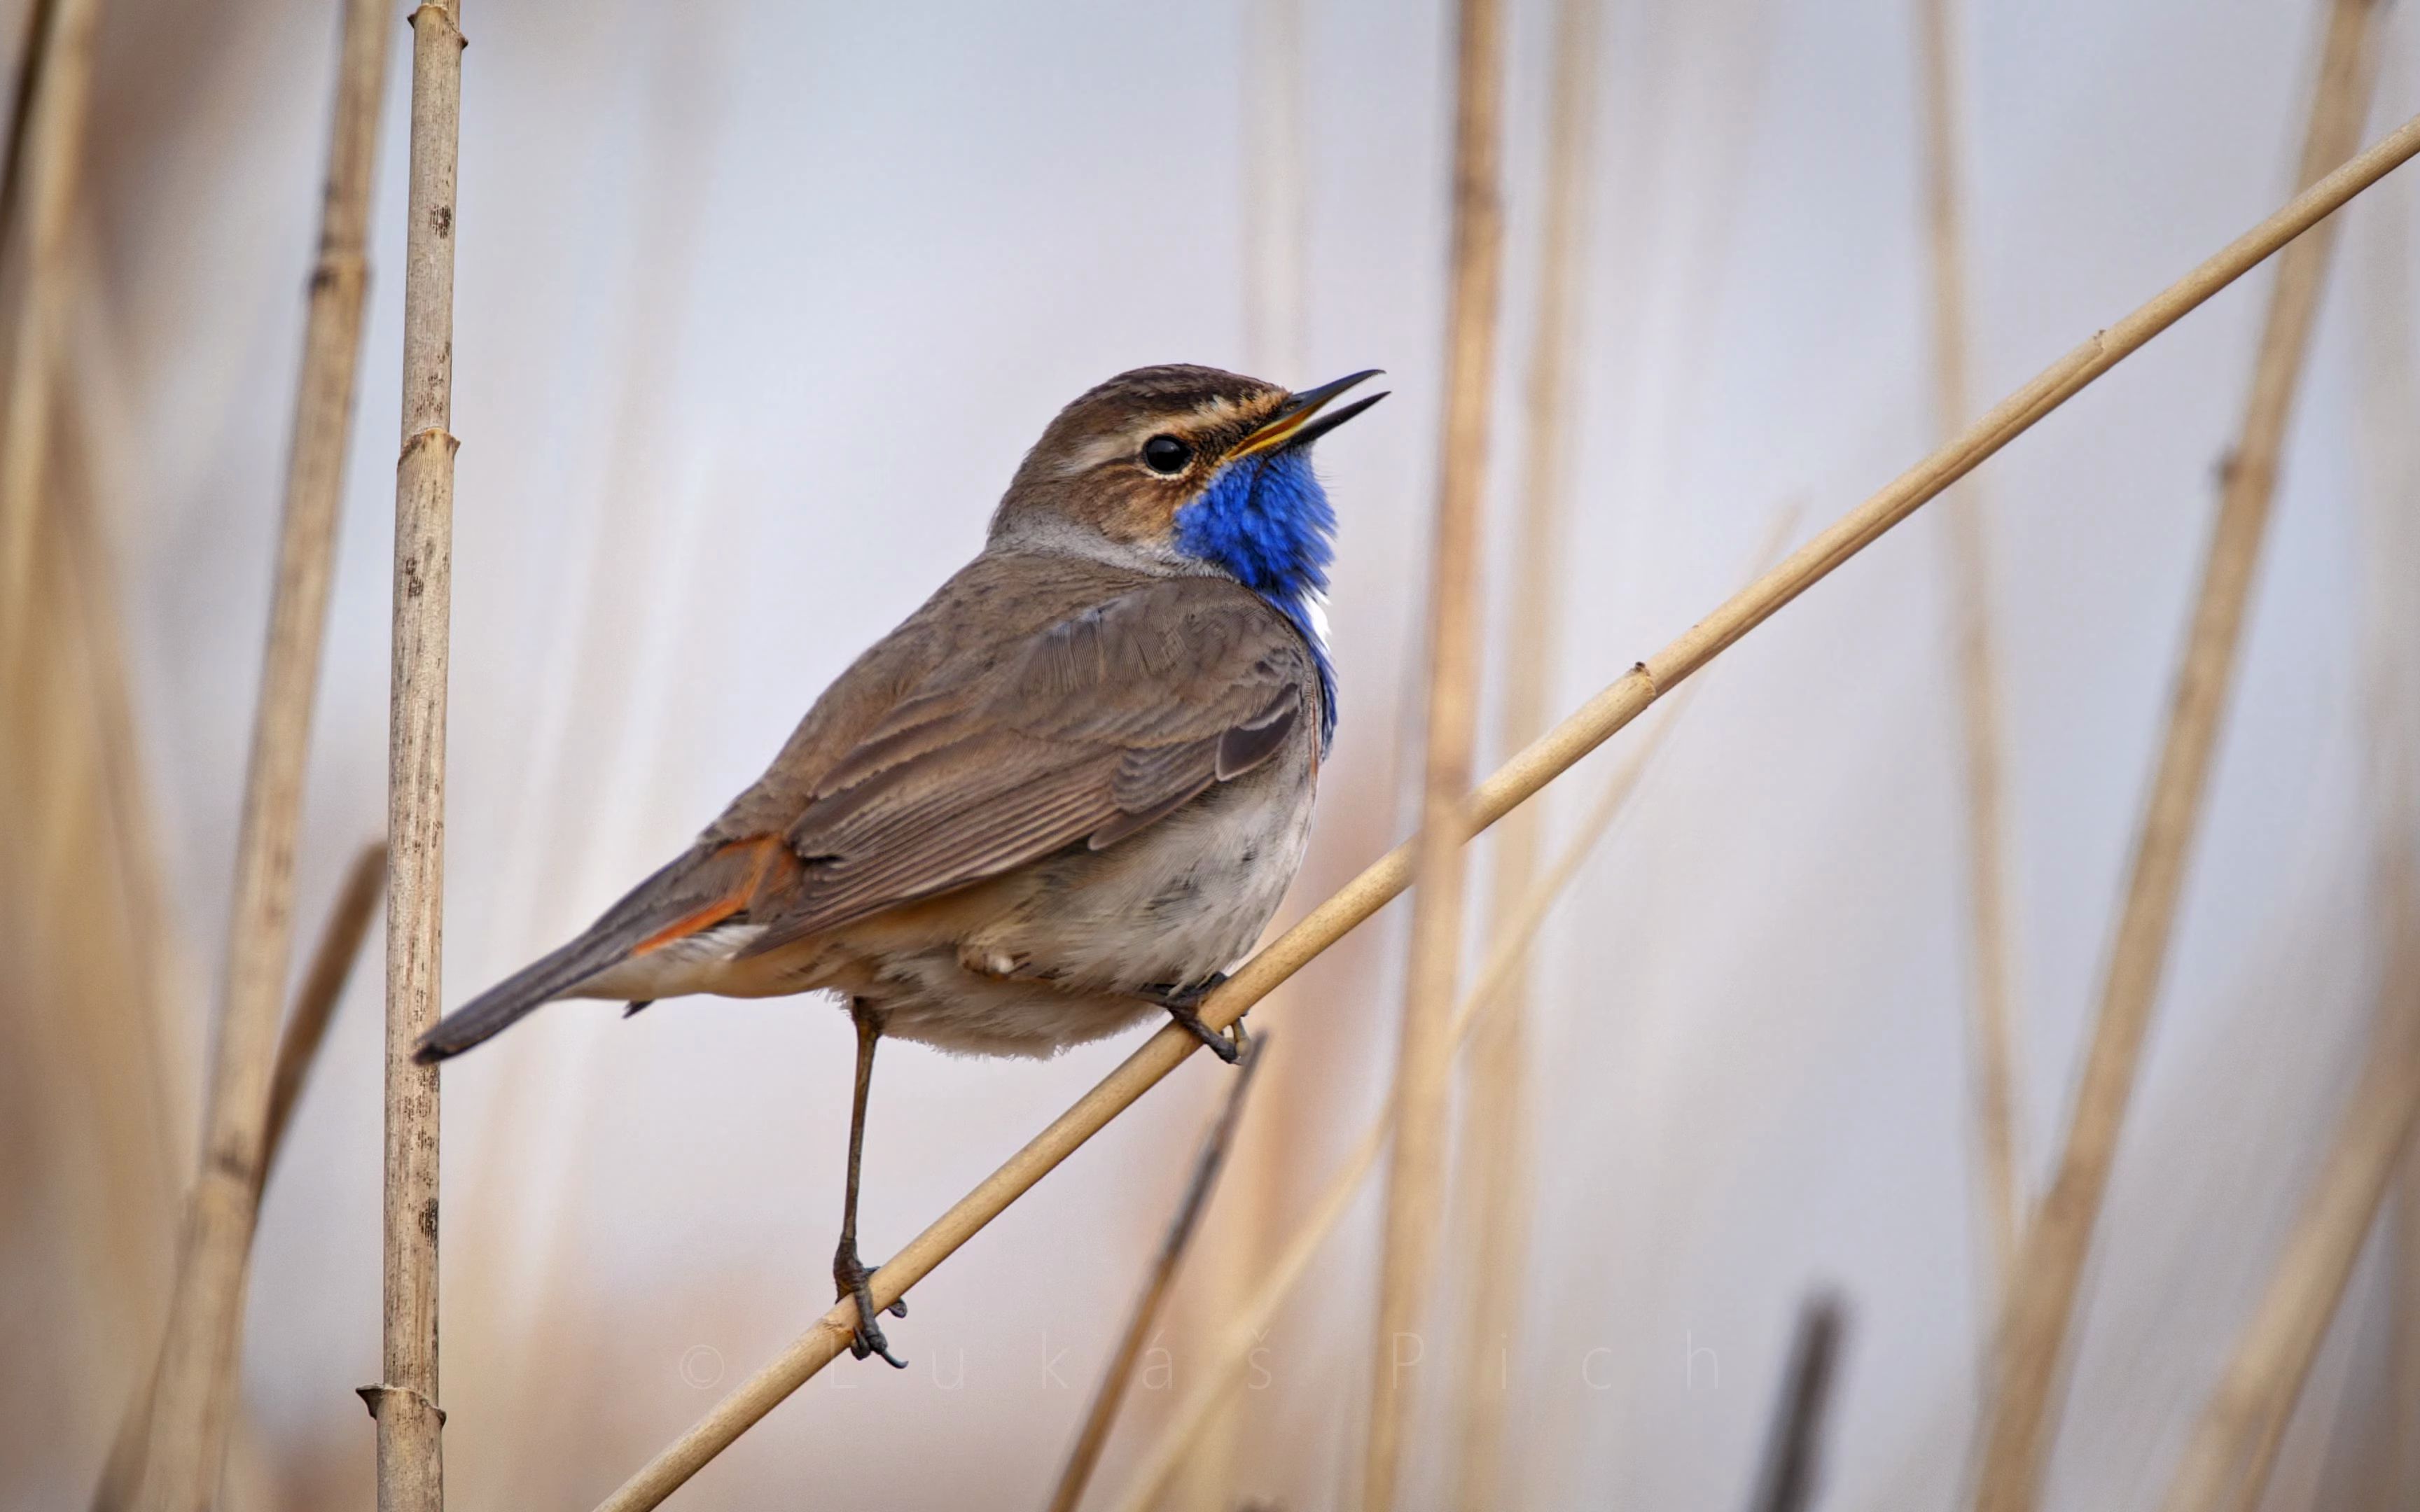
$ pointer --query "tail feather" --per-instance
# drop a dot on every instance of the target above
(702, 887)
(517, 996)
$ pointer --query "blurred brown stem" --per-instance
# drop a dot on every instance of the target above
(1514, 783)
(30, 52)
(2042, 1297)
(46, 150)
(2226, 1464)
(1495, 1139)
(1416, 1174)
(1111, 1394)
(323, 983)
(1979, 680)
(1794, 1445)
(185, 1441)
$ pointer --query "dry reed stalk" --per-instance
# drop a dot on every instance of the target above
(1979, 671)
(1415, 1175)
(2226, 1463)
(47, 166)
(1250, 1324)
(194, 1391)
(1495, 1135)
(2042, 1296)
(323, 983)
(298, 1047)
(1514, 783)
(410, 1459)
(1794, 1445)
(1111, 1394)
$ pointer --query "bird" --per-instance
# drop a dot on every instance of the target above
(1062, 797)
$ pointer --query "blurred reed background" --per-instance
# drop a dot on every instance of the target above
(757, 306)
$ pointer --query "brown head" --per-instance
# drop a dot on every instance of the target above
(1117, 465)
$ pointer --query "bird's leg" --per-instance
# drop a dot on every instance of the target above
(1184, 1005)
(848, 1272)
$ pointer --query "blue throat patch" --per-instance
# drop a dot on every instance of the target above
(1266, 520)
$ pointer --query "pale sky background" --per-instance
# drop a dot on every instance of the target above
(758, 306)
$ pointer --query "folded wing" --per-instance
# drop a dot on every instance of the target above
(1085, 731)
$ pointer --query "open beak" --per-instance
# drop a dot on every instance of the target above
(1299, 422)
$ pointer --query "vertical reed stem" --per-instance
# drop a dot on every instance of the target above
(410, 1464)
(1495, 1135)
(196, 1392)
(1415, 1177)
(2041, 1299)
(2002, 1194)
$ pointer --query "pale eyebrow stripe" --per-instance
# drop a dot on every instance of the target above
(1205, 416)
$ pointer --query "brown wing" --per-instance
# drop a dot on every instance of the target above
(1084, 730)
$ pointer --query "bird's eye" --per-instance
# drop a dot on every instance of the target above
(1166, 455)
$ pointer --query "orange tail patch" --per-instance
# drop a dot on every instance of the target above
(769, 855)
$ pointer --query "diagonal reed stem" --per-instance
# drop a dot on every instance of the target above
(1479, 1009)
(410, 1459)
(323, 983)
(1793, 1444)
(196, 1379)
(2226, 1463)
(2002, 1193)
(1416, 1174)
(1512, 784)
(2042, 1295)
(1111, 1394)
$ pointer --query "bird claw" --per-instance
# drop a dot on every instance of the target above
(849, 1276)
(1183, 1005)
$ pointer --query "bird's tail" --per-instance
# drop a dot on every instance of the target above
(709, 886)
(520, 995)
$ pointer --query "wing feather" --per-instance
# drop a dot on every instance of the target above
(1084, 731)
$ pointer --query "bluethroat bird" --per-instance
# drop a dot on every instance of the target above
(1061, 797)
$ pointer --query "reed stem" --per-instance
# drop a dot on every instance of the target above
(2042, 1295)
(46, 150)
(323, 984)
(1424, 1067)
(2001, 1194)
(1793, 1444)
(2226, 1463)
(1495, 1135)
(1512, 784)
(411, 1461)
(194, 1391)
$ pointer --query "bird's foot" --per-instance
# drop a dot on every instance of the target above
(1184, 1006)
(848, 1276)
